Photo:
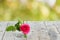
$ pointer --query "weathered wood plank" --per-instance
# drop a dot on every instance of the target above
(18, 35)
(11, 23)
(33, 36)
(57, 24)
(8, 36)
(1, 35)
(58, 37)
(3, 26)
(13, 36)
(40, 29)
(52, 31)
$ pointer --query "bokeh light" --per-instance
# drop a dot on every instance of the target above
(29, 10)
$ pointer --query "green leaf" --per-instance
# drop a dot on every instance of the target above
(17, 25)
(10, 28)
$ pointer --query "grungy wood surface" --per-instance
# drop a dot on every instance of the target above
(40, 30)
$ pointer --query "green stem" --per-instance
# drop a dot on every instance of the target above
(25, 35)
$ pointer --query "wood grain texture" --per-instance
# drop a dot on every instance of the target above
(40, 30)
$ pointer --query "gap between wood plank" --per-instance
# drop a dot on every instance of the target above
(57, 28)
(3, 36)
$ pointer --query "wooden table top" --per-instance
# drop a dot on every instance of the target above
(40, 30)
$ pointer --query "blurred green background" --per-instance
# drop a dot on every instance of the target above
(28, 10)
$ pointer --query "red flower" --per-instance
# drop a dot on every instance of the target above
(25, 28)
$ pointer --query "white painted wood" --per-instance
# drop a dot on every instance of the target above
(58, 38)
(18, 35)
(40, 30)
(8, 36)
(49, 23)
(33, 36)
(3, 26)
(57, 24)
(1, 35)
(11, 23)
(52, 30)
